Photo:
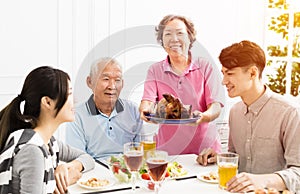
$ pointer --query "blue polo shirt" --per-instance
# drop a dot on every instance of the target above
(102, 136)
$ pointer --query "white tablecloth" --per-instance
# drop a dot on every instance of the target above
(188, 186)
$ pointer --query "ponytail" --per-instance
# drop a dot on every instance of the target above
(11, 119)
(42, 81)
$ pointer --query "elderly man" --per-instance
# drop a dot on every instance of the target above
(263, 126)
(105, 122)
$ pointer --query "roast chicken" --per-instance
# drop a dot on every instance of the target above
(170, 107)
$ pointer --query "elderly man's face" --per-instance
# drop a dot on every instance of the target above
(107, 85)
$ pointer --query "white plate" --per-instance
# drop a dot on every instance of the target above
(111, 182)
(201, 177)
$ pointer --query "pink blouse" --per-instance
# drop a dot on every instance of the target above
(199, 86)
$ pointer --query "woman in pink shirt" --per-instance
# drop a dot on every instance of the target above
(193, 80)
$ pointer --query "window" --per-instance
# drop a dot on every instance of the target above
(283, 46)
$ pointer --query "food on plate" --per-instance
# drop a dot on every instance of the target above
(119, 169)
(145, 176)
(176, 170)
(286, 192)
(212, 176)
(95, 182)
(170, 107)
(150, 185)
(167, 174)
(269, 191)
(260, 191)
(272, 191)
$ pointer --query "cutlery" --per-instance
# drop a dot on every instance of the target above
(187, 177)
(111, 190)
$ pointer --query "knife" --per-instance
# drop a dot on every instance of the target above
(111, 190)
(187, 177)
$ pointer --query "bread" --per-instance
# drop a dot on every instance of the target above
(170, 107)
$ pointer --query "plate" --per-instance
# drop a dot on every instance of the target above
(152, 118)
(207, 174)
(81, 183)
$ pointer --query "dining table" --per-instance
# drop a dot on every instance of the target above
(190, 183)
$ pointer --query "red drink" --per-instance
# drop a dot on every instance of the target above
(133, 159)
(157, 168)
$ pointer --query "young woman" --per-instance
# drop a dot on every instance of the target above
(29, 152)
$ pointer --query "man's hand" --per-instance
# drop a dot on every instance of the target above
(246, 182)
(207, 156)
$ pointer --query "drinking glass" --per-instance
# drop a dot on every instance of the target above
(157, 162)
(133, 157)
(148, 141)
(227, 167)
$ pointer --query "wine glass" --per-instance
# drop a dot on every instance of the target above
(133, 157)
(157, 162)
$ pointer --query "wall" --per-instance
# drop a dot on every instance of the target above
(70, 34)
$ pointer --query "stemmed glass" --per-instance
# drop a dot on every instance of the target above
(157, 162)
(133, 157)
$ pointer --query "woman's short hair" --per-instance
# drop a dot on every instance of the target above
(188, 23)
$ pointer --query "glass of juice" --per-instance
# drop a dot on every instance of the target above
(148, 141)
(227, 167)
(157, 162)
(133, 157)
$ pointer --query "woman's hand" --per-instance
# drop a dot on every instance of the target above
(66, 175)
(146, 107)
(201, 119)
(74, 175)
(61, 178)
(209, 115)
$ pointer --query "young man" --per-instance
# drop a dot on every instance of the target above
(105, 122)
(263, 126)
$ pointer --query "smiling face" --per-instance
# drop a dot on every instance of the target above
(107, 85)
(66, 113)
(238, 81)
(175, 38)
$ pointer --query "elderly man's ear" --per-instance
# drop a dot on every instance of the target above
(89, 82)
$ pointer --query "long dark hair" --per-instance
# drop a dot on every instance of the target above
(42, 81)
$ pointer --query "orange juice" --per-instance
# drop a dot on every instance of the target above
(148, 145)
(226, 171)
